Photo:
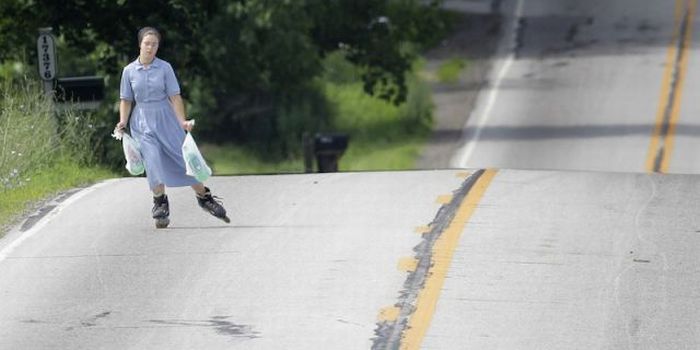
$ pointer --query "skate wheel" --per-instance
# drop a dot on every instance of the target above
(162, 223)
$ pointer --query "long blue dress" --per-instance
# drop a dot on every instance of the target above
(153, 122)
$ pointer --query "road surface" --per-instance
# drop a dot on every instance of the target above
(590, 85)
(598, 252)
(440, 259)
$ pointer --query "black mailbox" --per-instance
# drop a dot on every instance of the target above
(328, 149)
(80, 89)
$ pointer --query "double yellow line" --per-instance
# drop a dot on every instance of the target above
(668, 113)
(442, 253)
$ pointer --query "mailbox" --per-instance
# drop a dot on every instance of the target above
(80, 89)
(328, 149)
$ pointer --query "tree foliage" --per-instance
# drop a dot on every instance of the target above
(240, 62)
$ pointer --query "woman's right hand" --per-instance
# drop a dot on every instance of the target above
(120, 126)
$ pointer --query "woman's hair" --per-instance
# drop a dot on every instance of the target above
(146, 31)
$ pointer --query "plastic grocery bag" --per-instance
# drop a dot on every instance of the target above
(195, 164)
(132, 153)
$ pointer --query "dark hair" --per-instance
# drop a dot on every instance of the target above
(146, 31)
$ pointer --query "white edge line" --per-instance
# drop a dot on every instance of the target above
(465, 152)
(5, 252)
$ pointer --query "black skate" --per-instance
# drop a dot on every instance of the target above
(161, 211)
(211, 205)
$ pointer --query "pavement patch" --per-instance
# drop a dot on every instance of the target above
(433, 256)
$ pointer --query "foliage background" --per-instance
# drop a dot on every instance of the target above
(249, 69)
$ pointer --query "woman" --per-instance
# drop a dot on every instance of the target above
(158, 123)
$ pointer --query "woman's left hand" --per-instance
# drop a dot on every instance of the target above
(188, 125)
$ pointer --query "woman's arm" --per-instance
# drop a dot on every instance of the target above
(179, 108)
(124, 111)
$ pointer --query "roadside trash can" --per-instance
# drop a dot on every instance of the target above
(328, 148)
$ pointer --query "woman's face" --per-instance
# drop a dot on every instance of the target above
(149, 47)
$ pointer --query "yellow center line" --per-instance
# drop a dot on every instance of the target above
(442, 253)
(668, 112)
(675, 114)
(665, 87)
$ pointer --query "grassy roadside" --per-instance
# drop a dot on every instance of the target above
(363, 154)
(43, 185)
(231, 159)
(42, 152)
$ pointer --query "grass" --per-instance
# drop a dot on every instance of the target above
(361, 155)
(41, 185)
(382, 156)
(41, 152)
(450, 70)
(382, 136)
(230, 159)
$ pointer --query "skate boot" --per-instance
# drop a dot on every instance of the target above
(211, 205)
(161, 211)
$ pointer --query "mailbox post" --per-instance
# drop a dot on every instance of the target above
(46, 50)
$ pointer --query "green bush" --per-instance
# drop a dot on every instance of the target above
(383, 136)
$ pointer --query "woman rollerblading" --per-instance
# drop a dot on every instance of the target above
(151, 105)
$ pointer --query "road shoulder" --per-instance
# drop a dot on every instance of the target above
(475, 40)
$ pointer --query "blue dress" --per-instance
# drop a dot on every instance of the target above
(153, 122)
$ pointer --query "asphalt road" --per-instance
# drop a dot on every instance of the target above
(570, 260)
(308, 262)
(586, 85)
(501, 259)
(602, 255)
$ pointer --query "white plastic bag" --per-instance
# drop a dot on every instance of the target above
(194, 162)
(132, 153)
